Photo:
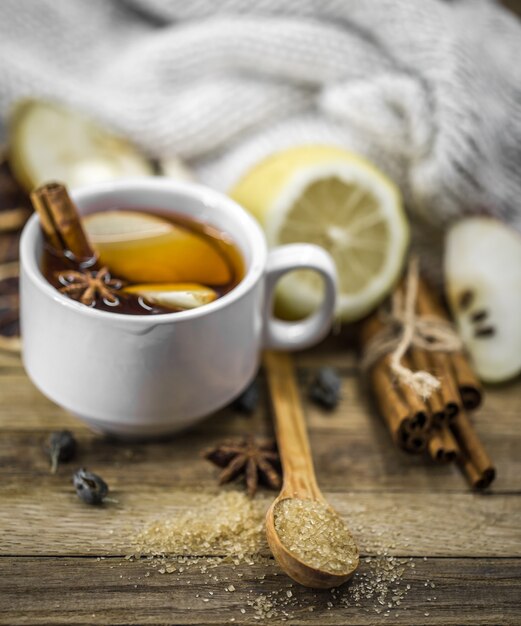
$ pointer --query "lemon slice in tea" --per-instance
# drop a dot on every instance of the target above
(338, 200)
(52, 142)
(145, 248)
(175, 295)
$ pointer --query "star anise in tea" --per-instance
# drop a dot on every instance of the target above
(86, 286)
(258, 460)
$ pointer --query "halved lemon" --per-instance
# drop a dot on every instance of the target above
(340, 201)
(175, 295)
(144, 248)
(51, 142)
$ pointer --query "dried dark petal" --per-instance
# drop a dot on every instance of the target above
(62, 448)
(248, 401)
(90, 487)
(324, 389)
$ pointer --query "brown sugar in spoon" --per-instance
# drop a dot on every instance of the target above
(307, 537)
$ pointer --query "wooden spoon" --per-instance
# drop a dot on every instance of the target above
(299, 475)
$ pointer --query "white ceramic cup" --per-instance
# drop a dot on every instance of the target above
(152, 375)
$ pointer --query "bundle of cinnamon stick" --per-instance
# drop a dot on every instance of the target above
(439, 425)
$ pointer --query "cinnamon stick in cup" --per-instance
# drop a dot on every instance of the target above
(61, 223)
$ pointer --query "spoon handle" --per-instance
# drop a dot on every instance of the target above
(292, 438)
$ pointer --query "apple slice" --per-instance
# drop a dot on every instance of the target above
(51, 142)
(483, 283)
(144, 248)
(175, 295)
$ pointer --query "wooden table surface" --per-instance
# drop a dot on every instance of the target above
(62, 562)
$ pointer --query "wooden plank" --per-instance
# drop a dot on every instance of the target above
(52, 520)
(23, 407)
(84, 591)
(348, 462)
(352, 448)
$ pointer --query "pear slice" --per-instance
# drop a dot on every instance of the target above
(483, 283)
(175, 295)
(51, 142)
(144, 248)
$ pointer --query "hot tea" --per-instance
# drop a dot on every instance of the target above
(145, 262)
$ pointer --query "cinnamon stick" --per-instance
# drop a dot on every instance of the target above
(61, 223)
(391, 405)
(439, 362)
(395, 413)
(440, 423)
(420, 415)
(453, 367)
(474, 459)
(416, 438)
(470, 389)
(440, 365)
(435, 404)
(475, 478)
(442, 446)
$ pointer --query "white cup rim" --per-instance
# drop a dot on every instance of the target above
(31, 235)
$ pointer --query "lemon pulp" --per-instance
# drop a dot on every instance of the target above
(330, 197)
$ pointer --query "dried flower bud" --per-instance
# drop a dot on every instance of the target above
(90, 487)
(248, 401)
(62, 448)
(324, 389)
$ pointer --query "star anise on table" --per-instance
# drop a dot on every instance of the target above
(258, 460)
(87, 286)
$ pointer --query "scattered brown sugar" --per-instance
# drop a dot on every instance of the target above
(219, 546)
(314, 533)
(228, 525)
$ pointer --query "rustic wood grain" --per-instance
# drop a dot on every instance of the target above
(467, 591)
(54, 521)
(392, 501)
(351, 447)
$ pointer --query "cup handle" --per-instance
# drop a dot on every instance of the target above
(281, 335)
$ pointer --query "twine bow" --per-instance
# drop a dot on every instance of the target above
(403, 329)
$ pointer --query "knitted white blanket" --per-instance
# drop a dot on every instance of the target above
(428, 89)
